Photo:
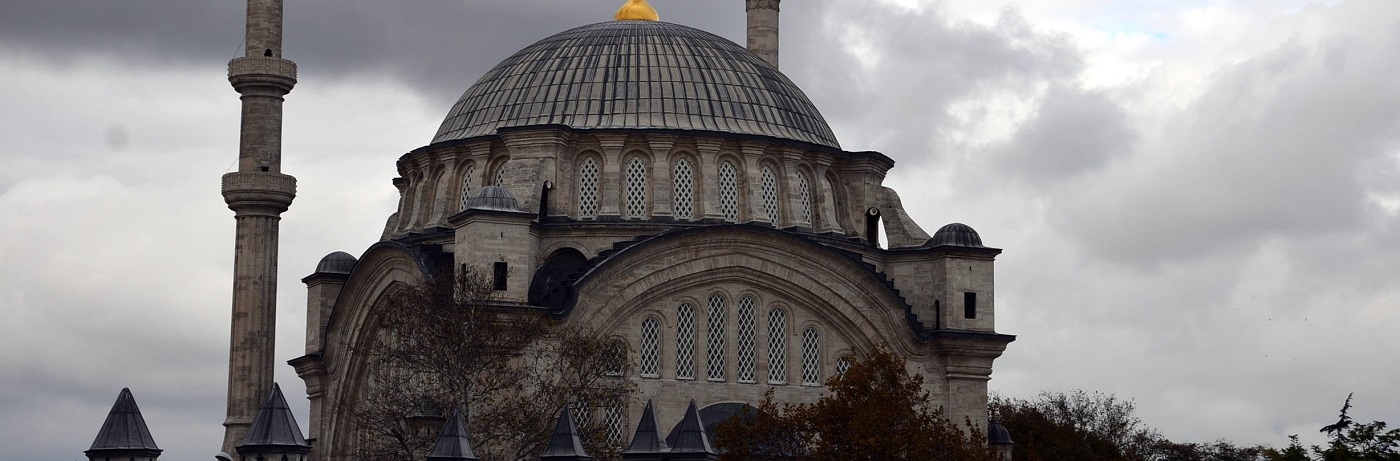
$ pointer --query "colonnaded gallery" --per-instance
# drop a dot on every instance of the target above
(644, 179)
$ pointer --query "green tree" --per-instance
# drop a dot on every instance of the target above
(1348, 440)
(1076, 425)
(876, 410)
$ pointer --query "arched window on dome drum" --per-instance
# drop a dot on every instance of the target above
(811, 357)
(777, 347)
(714, 339)
(467, 186)
(636, 188)
(804, 190)
(650, 366)
(500, 176)
(685, 341)
(729, 191)
(745, 343)
(770, 196)
(588, 189)
(684, 179)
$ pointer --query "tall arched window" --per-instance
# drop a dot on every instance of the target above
(636, 188)
(588, 189)
(811, 357)
(467, 185)
(714, 339)
(745, 341)
(613, 422)
(650, 346)
(804, 190)
(770, 196)
(684, 179)
(777, 347)
(729, 191)
(685, 342)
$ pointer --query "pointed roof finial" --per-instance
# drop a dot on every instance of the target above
(637, 10)
(274, 429)
(647, 440)
(565, 444)
(453, 443)
(689, 440)
(124, 433)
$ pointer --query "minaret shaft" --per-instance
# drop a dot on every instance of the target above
(258, 193)
(763, 29)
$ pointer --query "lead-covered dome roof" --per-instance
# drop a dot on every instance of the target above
(637, 75)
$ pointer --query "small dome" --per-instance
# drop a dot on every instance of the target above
(339, 262)
(493, 198)
(956, 234)
(997, 433)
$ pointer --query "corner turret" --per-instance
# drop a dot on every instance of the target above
(124, 434)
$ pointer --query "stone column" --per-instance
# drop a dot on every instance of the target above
(763, 29)
(257, 193)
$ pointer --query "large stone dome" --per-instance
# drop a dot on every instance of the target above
(637, 75)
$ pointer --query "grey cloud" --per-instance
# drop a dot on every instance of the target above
(1073, 132)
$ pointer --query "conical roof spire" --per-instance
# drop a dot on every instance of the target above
(565, 445)
(275, 429)
(124, 433)
(453, 444)
(647, 442)
(689, 439)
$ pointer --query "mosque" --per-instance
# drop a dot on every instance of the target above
(648, 180)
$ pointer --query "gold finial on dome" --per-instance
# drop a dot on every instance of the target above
(637, 10)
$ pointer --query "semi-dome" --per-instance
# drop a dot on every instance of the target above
(956, 234)
(493, 198)
(637, 75)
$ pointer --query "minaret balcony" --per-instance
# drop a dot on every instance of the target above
(251, 71)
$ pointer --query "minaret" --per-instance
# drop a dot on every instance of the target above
(763, 29)
(257, 193)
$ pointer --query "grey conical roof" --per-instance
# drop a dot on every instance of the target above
(453, 444)
(124, 432)
(275, 428)
(565, 445)
(688, 440)
(648, 439)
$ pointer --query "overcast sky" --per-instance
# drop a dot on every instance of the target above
(1199, 199)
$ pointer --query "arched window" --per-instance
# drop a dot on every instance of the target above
(651, 343)
(770, 196)
(746, 339)
(685, 342)
(714, 347)
(467, 186)
(684, 179)
(777, 347)
(636, 188)
(729, 191)
(588, 189)
(843, 364)
(804, 190)
(500, 176)
(616, 358)
(811, 357)
(613, 422)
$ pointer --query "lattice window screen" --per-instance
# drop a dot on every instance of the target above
(588, 189)
(811, 357)
(804, 188)
(582, 414)
(684, 179)
(617, 356)
(685, 342)
(651, 343)
(715, 339)
(770, 196)
(500, 176)
(614, 422)
(636, 188)
(746, 339)
(467, 186)
(843, 364)
(777, 346)
(729, 191)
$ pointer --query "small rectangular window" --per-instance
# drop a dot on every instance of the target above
(499, 278)
(970, 305)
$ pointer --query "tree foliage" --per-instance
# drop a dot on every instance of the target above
(1348, 440)
(1075, 425)
(877, 410)
(446, 345)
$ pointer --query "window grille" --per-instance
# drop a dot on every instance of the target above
(811, 357)
(500, 176)
(844, 364)
(588, 190)
(746, 340)
(651, 342)
(583, 414)
(770, 196)
(729, 191)
(684, 179)
(685, 342)
(715, 339)
(804, 188)
(617, 356)
(777, 347)
(467, 186)
(613, 422)
(636, 188)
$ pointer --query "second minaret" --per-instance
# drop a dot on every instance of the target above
(763, 29)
